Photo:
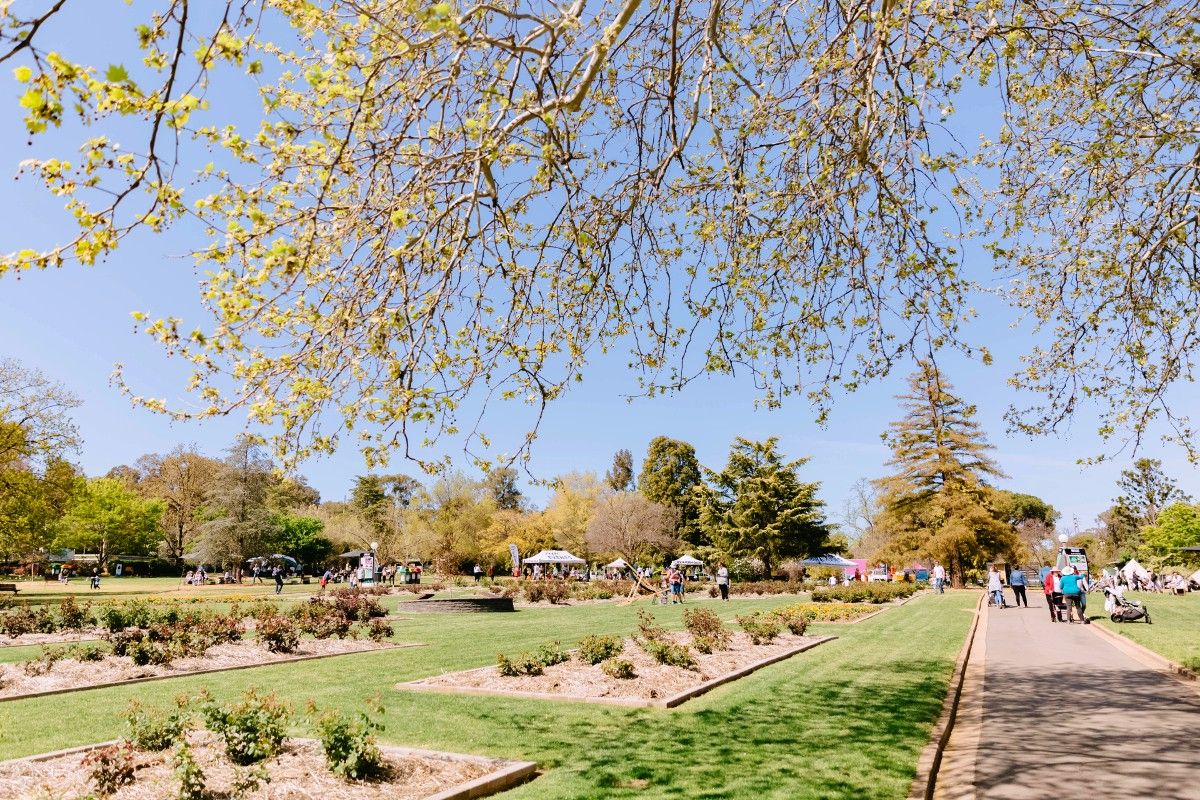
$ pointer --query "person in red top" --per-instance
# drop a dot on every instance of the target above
(1053, 598)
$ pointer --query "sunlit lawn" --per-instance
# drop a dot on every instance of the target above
(1176, 629)
(847, 719)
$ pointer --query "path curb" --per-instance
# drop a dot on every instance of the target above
(1145, 654)
(931, 757)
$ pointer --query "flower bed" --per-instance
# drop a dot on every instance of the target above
(832, 612)
(652, 668)
(67, 673)
(864, 592)
(243, 751)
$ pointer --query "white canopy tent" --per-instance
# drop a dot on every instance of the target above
(620, 563)
(552, 557)
(1132, 568)
(829, 560)
(687, 561)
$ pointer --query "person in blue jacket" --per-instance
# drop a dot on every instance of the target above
(1016, 579)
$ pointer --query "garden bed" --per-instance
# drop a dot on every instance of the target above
(297, 772)
(69, 675)
(654, 684)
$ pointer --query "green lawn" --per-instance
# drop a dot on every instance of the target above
(1176, 629)
(847, 719)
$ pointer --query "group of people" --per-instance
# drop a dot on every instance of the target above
(1065, 590)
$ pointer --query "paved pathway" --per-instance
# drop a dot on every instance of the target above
(1047, 705)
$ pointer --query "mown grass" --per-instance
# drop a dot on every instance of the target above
(847, 719)
(1176, 629)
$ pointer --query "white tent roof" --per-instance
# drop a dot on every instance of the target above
(687, 561)
(829, 560)
(618, 564)
(554, 557)
(1132, 567)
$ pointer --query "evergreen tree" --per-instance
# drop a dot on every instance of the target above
(620, 476)
(759, 508)
(1145, 492)
(938, 504)
(670, 476)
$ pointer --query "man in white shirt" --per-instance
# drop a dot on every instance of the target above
(939, 578)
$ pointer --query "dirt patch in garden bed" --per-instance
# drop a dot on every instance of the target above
(654, 684)
(298, 773)
(68, 674)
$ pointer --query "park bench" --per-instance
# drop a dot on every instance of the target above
(8, 587)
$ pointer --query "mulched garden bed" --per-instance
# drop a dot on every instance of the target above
(69, 674)
(654, 684)
(297, 773)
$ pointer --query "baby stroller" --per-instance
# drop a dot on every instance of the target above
(1122, 610)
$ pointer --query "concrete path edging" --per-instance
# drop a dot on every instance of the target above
(930, 761)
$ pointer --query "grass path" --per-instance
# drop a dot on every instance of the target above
(847, 719)
(1176, 629)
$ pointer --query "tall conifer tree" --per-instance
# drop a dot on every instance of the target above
(938, 504)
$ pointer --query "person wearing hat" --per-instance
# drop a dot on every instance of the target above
(1072, 591)
(1052, 587)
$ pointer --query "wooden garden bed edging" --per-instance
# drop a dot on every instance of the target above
(190, 673)
(627, 702)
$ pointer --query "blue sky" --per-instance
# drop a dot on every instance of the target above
(75, 323)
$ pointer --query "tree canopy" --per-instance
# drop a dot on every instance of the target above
(441, 205)
(758, 507)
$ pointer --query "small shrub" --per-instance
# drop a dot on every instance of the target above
(151, 730)
(253, 729)
(278, 634)
(357, 606)
(191, 777)
(72, 616)
(551, 590)
(618, 668)
(594, 649)
(713, 591)
(760, 628)
(524, 664)
(321, 620)
(669, 653)
(45, 661)
(551, 653)
(110, 767)
(87, 652)
(647, 627)
(703, 623)
(247, 781)
(380, 629)
(18, 621)
(704, 644)
(795, 621)
(144, 652)
(349, 745)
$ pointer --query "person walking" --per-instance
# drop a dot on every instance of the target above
(1052, 587)
(1071, 592)
(675, 579)
(1016, 579)
(939, 578)
(277, 574)
(995, 587)
(723, 582)
(478, 572)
